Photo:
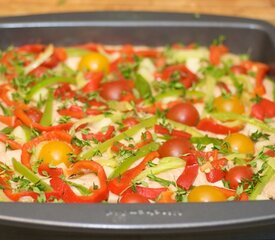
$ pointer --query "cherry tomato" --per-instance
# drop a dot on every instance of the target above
(205, 193)
(175, 147)
(133, 198)
(240, 143)
(114, 90)
(55, 152)
(184, 113)
(94, 62)
(238, 174)
(229, 104)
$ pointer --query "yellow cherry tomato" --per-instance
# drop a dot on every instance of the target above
(228, 104)
(94, 62)
(206, 193)
(240, 143)
(55, 152)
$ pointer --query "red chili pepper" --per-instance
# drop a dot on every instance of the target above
(121, 183)
(209, 125)
(54, 135)
(216, 52)
(186, 76)
(224, 87)
(101, 137)
(13, 144)
(174, 133)
(20, 113)
(264, 109)
(4, 89)
(146, 138)
(94, 81)
(190, 172)
(68, 196)
(215, 175)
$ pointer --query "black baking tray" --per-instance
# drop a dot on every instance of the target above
(238, 220)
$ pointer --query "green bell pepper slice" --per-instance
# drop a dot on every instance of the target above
(143, 86)
(47, 116)
(27, 173)
(149, 122)
(46, 83)
(124, 166)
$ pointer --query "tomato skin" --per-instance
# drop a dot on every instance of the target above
(55, 152)
(133, 198)
(229, 104)
(240, 143)
(184, 113)
(175, 147)
(238, 174)
(114, 90)
(34, 114)
(94, 62)
(205, 193)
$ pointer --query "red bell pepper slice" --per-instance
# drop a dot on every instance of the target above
(215, 175)
(174, 133)
(262, 70)
(31, 48)
(150, 193)
(68, 196)
(13, 144)
(120, 184)
(187, 77)
(45, 170)
(64, 91)
(209, 125)
(20, 113)
(263, 109)
(101, 137)
(8, 120)
(232, 193)
(94, 81)
(16, 196)
(190, 172)
(73, 111)
(216, 52)
(54, 135)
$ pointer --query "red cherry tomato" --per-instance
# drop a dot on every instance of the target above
(238, 174)
(184, 113)
(133, 198)
(175, 147)
(115, 90)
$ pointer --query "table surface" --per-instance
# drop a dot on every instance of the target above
(260, 9)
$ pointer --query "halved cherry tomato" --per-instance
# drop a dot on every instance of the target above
(240, 143)
(94, 62)
(205, 193)
(175, 147)
(184, 113)
(238, 174)
(55, 152)
(229, 104)
(133, 198)
(115, 90)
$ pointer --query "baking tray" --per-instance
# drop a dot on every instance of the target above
(249, 220)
